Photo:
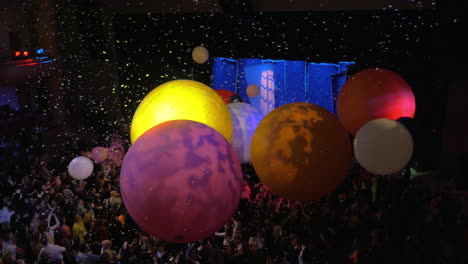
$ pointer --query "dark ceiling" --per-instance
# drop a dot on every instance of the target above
(233, 6)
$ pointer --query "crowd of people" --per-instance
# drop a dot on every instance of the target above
(47, 217)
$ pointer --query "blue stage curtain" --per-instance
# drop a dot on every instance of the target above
(296, 82)
(338, 80)
(224, 74)
(281, 81)
(247, 77)
(268, 75)
(320, 88)
(324, 83)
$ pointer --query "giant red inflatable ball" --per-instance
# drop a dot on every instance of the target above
(373, 94)
(229, 96)
(181, 181)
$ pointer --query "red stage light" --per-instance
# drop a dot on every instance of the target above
(26, 53)
(17, 53)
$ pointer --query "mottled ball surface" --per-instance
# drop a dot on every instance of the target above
(181, 181)
(301, 151)
(253, 90)
(200, 54)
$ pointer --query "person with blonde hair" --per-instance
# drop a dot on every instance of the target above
(106, 249)
(79, 228)
(114, 201)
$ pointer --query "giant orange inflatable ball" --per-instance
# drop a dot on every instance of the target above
(181, 181)
(301, 151)
(373, 94)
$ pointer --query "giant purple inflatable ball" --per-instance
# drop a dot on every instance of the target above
(181, 181)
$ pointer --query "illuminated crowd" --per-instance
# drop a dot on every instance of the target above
(47, 217)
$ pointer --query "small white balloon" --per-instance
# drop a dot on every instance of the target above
(383, 146)
(200, 54)
(80, 168)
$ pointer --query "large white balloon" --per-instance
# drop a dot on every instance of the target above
(245, 119)
(80, 168)
(383, 146)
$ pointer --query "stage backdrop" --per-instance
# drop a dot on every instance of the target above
(281, 81)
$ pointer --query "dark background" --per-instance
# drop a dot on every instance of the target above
(412, 43)
(111, 53)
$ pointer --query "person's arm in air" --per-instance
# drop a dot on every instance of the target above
(56, 225)
(301, 255)
(49, 217)
(236, 227)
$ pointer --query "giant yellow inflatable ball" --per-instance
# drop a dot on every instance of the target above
(182, 100)
(301, 151)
